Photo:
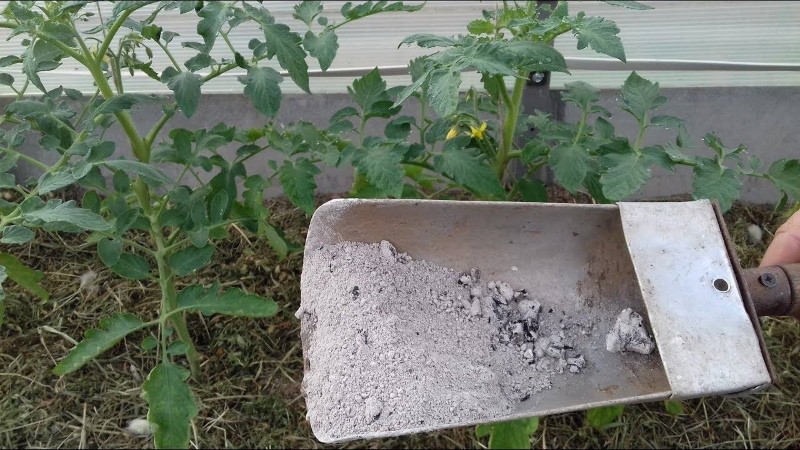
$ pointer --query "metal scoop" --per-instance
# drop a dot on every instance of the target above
(671, 261)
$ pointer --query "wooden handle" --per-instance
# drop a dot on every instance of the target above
(775, 289)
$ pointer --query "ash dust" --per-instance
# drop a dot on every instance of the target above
(392, 343)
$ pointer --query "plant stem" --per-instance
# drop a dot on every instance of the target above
(169, 300)
(26, 158)
(153, 133)
(510, 127)
(112, 32)
(169, 55)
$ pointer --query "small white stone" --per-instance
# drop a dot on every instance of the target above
(514, 268)
(476, 291)
(756, 233)
(388, 251)
(505, 291)
(629, 334)
(475, 307)
(372, 409)
(528, 354)
(139, 427)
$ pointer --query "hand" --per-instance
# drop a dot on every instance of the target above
(785, 246)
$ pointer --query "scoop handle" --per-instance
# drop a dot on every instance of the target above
(775, 289)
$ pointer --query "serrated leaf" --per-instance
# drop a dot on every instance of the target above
(186, 86)
(23, 275)
(600, 34)
(666, 121)
(131, 266)
(674, 407)
(298, 183)
(119, 102)
(537, 57)
(466, 168)
(443, 91)
(369, 8)
(109, 250)
(511, 434)
(368, 90)
(480, 26)
(399, 127)
(323, 47)
(427, 40)
(98, 340)
(625, 174)
(628, 4)
(600, 418)
(285, 44)
(67, 212)
(716, 183)
(639, 96)
(16, 234)
(381, 166)
(232, 302)
(148, 172)
(52, 181)
(214, 15)
(581, 94)
(262, 87)
(570, 164)
(171, 405)
(189, 259)
(785, 173)
(532, 190)
(307, 10)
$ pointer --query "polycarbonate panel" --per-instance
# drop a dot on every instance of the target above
(763, 31)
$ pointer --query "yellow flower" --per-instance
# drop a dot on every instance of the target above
(478, 133)
(452, 133)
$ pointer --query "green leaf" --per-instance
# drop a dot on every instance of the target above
(716, 183)
(666, 121)
(7, 180)
(233, 302)
(171, 405)
(52, 181)
(214, 15)
(323, 47)
(465, 166)
(570, 163)
(121, 181)
(147, 171)
(23, 275)
(276, 241)
(262, 87)
(629, 4)
(604, 416)
(532, 190)
(480, 26)
(119, 102)
(199, 61)
(381, 165)
(148, 343)
(369, 90)
(581, 94)
(125, 220)
(6, 79)
(2, 294)
(639, 96)
(132, 266)
(785, 173)
(16, 234)
(307, 11)
(98, 340)
(298, 183)
(399, 127)
(67, 212)
(600, 34)
(186, 86)
(427, 40)
(109, 250)
(511, 434)
(537, 57)
(674, 407)
(443, 91)
(285, 44)
(369, 8)
(625, 174)
(190, 259)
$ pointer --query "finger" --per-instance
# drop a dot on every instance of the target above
(785, 247)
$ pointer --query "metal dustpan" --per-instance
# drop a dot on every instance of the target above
(671, 261)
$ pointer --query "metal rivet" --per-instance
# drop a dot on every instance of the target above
(721, 285)
(768, 279)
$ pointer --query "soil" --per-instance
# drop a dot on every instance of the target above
(394, 343)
